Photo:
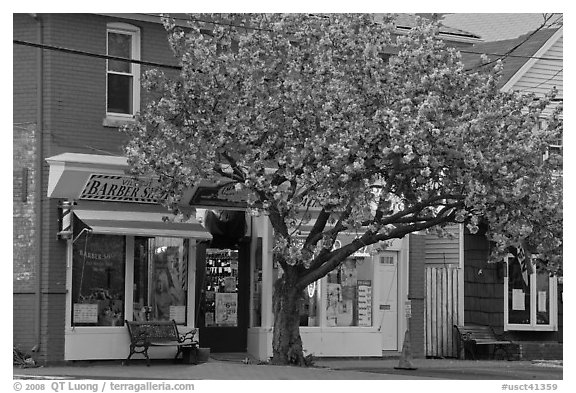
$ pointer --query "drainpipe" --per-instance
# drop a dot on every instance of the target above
(39, 180)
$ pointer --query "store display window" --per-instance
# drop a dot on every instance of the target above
(98, 271)
(160, 279)
(349, 294)
(310, 305)
(530, 293)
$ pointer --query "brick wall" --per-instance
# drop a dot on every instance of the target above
(416, 292)
(74, 100)
(24, 132)
(76, 85)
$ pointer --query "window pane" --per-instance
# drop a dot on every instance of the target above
(119, 94)
(518, 292)
(160, 279)
(220, 303)
(542, 298)
(310, 305)
(119, 45)
(98, 280)
(349, 295)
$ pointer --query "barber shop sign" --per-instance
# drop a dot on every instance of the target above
(121, 189)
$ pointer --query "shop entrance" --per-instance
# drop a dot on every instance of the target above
(222, 298)
(387, 273)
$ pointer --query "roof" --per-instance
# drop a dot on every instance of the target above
(498, 26)
(528, 46)
(407, 21)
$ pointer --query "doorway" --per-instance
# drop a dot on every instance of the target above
(222, 293)
(387, 273)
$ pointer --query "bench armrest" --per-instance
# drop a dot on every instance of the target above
(466, 336)
(189, 335)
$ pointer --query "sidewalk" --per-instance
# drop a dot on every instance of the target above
(232, 368)
(212, 370)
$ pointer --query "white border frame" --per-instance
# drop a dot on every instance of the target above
(533, 326)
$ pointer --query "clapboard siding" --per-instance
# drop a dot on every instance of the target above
(544, 74)
(443, 250)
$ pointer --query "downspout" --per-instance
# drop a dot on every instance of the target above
(39, 180)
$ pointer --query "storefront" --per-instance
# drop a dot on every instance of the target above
(126, 261)
(356, 310)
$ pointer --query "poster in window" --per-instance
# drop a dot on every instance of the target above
(345, 313)
(226, 309)
(348, 278)
(542, 301)
(229, 284)
(334, 295)
(85, 313)
(178, 314)
(518, 300)
(209, 319)
(364, 303)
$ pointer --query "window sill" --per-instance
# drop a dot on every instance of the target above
(115, 122)
(543, 328)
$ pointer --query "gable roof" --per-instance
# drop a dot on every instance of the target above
(522, 50)
(499, 26)
(408, 21)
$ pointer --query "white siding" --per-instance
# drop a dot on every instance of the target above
(544, 74)
(443, 250)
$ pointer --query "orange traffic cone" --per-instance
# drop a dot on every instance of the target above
(405, 362)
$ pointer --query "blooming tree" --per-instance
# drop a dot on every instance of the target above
(314, 119)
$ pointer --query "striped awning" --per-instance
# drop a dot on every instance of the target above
(114, 218)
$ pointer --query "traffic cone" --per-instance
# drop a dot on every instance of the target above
(405, 362)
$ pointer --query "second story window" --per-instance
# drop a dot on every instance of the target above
(123, 77)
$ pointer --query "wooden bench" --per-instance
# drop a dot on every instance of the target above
(146, 334)
(472, 336)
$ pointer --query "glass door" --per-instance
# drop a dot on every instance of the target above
(223, 299)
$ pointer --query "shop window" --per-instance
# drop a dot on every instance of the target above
(530, 295)
(98, 280)
(160, 279)
(220, 285)
(122, 77)
(310, 305)
(349, 294)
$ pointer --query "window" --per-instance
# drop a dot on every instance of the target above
(98, 280)
(310, 305)
(122, 77)
(160, 279)
(530, 295)
(349, 294)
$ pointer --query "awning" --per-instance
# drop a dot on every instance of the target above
(111, 218)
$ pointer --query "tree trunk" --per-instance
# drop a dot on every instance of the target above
(286, 341)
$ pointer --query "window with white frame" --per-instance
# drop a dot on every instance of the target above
(530, 295)
(122, 77)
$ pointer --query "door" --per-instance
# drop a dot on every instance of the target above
(387, 273)
(223, 293)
